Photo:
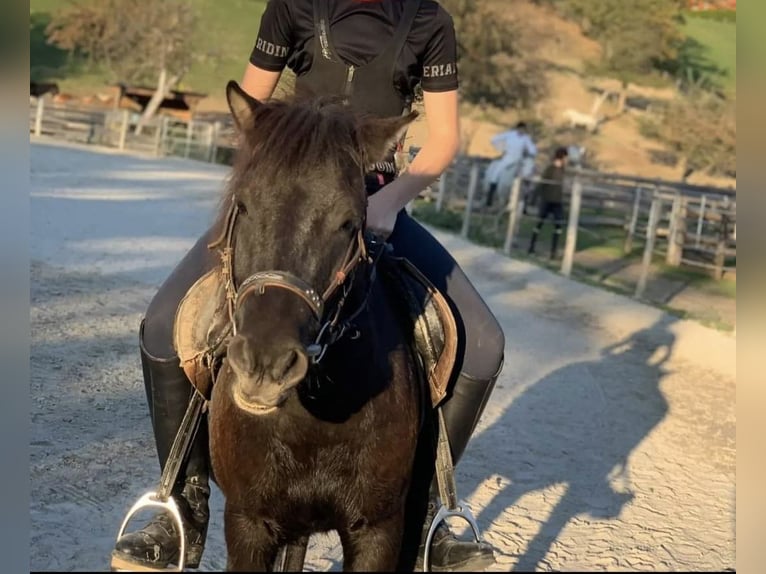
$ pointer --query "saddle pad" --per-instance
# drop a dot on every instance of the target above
(434, 326)
(200, 328)
(202, 325)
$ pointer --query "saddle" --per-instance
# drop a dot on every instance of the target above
(202, 327)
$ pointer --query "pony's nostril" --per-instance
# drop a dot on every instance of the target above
(240, 355)
(291, 367)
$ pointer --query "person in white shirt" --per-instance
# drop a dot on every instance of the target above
(519, 152)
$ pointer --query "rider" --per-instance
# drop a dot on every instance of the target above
(376, 52)
(519, 152)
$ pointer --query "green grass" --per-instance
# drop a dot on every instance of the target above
(228, 30)
(715, 46)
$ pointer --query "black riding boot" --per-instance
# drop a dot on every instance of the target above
(533, 241)
(555, 241)
(157, 544)
(461, 415)
(491, 194)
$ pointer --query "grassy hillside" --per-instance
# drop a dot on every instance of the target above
(229, 28)
(716, 41)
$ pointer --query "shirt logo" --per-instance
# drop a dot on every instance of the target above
(271, 49)
(439, 71)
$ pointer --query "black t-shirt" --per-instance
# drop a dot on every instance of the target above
(359, 30)
(551, 188)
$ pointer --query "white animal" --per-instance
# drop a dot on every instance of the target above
(589, 121)
(579, 119)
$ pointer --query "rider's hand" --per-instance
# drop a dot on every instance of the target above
(381, 213)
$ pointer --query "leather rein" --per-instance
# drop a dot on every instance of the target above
(331, 329)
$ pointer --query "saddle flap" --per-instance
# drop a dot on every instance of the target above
(434, 325)
(201, 327)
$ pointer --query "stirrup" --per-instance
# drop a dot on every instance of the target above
(162, 498)
(152, 500)
(449, 504)
(461, 510)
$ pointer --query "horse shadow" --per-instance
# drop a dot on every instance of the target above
(578, 426)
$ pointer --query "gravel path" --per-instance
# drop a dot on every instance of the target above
(609, 443)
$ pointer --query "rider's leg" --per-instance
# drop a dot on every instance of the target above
(558, 221)
(491, 193)
(544, 210)
(168, 391)
(481, 346)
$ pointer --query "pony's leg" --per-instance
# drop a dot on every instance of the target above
(249, 544)
(373, 547)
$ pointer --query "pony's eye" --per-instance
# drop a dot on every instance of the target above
(241, 207)
(347, 226)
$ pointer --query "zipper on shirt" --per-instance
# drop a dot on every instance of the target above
(349, 81)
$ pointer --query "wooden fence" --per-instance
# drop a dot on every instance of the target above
(211, 141)
(689, 225)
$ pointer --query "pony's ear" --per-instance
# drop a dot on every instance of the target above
(378, 135)
(241, 104)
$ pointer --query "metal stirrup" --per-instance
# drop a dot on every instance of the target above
(450, 506)
(162, 497)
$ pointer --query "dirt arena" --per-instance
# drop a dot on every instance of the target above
(608, 444)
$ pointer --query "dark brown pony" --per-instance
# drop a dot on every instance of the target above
(314, 423)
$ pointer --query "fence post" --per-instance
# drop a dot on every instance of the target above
(39, 116)
(677, 219)
(158, 135)
(213, 151)
(628, 247)
(208, 140)
(700, 219)
(720, 248)
(124, 129)
(651, 232)
(442, 190)
(574, 218)
(187, 144)
(513, 215)
(472, 185)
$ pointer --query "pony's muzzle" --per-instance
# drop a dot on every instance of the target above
(264, 374)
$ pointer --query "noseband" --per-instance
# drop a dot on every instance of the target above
(331, 329)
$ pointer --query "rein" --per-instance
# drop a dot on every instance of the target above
(331, 329)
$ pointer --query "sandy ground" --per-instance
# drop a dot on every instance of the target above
(609, 443)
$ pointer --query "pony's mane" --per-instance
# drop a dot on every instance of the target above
(294, 137)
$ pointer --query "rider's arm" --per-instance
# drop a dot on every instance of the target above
(440, 101)
(441, 111)
(531, 148)
(271, 50)
(260, 83)
(498, 142)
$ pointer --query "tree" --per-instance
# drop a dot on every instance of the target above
(637, 36)
(701, 128)
(495, 68)
(134, 40)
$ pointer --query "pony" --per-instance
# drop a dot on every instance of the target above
(316, 413)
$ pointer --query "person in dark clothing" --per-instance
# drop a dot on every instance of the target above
(550, 195)
(375, 52)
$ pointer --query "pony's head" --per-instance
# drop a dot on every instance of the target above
(297, 215)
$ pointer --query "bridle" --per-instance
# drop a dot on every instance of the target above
(331, 329)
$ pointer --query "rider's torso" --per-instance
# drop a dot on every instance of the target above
(361, 34)
(372, 52)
